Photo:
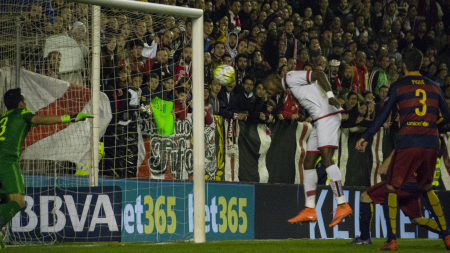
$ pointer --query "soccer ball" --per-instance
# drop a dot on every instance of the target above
(224, 75)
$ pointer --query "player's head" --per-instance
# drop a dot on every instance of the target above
(13, 99)
(272, 84)
(320, 63)
(412, 59)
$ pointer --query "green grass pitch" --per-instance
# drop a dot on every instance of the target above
(269, 246)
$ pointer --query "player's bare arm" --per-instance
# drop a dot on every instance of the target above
(379, 120)
(322, 80)
(46, 120)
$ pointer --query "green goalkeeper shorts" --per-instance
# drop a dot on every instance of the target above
(11, 179)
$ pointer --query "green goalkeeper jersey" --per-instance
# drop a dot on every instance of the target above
(14, 127)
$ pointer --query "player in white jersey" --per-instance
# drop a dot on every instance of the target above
(313, 92)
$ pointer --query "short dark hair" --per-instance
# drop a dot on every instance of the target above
(181, 89)
(122, 69)
(350, 94)
(243, 40)
(304, 66)
(153, 75)
(219, 43)
(287, 20)
(412, 58)
(225, 55)
(360, 15)
(421, 22)
(347, 51)
(367, 92)
(12, 98)
(162, 49)
(383, 86)
(375, 41)
(312, 29)
(136, 43)
(248, 77)
(168, 77)
(251, 40)
(208, 20)
(136, 73)
(185, 79)
(241, 56)
(385, 56)
(281, 69)
(393, 38)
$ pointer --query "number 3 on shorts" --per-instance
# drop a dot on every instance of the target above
(423, 94)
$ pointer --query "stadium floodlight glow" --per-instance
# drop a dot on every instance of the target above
(197, 83)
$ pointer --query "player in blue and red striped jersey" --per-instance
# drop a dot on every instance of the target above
(422, 110)
(408, 201)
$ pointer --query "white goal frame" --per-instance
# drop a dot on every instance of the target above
(198, 124)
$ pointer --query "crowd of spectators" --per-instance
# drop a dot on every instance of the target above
(357, 44)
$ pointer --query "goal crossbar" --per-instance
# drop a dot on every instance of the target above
(132, 5)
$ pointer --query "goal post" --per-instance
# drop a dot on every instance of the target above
(197, 90)
(93, 174)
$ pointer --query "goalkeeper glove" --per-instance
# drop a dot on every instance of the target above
(76, 117)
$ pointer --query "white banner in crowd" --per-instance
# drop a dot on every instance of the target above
(62, 142)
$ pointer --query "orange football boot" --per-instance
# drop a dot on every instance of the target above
(340, 213)
(447, 242)
(390, 246)
(308, 214)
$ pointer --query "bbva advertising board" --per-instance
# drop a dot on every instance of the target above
(78, 214)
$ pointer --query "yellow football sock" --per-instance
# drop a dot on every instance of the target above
(437, 209)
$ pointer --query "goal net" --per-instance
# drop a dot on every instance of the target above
(127, 174)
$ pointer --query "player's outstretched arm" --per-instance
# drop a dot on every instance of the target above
(381, 117)
(54, 119)
(323, 82)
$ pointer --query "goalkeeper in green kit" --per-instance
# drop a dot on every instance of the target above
(14, 127)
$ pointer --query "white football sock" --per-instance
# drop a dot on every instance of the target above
(310, 184)
(335, 181)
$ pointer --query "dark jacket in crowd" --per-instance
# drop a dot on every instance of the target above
(226, 106)
(246, 21)
(352, 116)
(258, 107)
(244, 102)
